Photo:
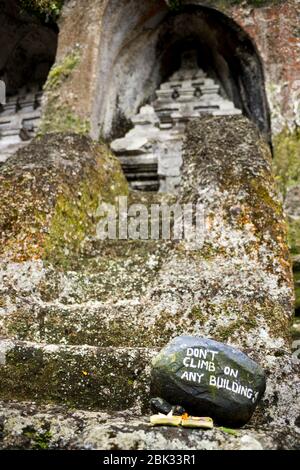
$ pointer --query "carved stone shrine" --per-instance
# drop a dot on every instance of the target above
(151, 152)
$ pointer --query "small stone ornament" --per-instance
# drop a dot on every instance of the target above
(206, 377)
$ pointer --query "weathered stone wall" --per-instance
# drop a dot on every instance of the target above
(227, 168)
(69, 100)
(274, 28)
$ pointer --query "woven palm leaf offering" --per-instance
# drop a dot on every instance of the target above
(185, 420)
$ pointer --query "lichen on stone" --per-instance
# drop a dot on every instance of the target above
(45, 9)
(286, 159)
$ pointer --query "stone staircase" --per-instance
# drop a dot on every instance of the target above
(82, 337)
(77, 339)
(19, 120)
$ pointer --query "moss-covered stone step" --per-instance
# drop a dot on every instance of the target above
(80, 376)
(127, 323)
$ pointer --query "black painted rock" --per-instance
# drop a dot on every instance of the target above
(208, 378)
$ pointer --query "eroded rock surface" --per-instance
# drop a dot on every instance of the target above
(50, 192)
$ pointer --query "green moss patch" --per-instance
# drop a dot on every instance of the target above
(43, 9)
(294, 236)
(38, 440)
(287, 160)
(297, 289)
(287, 171)
(58, 116)
(61, 71)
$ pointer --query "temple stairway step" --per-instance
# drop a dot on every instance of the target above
(137, 160)
(132, 322)
(152, 185)
(78, 376)
(111, 296)
(9, 150)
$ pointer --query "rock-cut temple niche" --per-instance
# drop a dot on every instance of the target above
(151, 152)
(25, 61)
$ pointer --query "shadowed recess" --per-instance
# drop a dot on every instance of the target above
(28, 48)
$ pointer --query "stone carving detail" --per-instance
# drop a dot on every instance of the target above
(151, 152)
(19, 120)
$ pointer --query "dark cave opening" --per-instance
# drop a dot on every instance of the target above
(225, 53)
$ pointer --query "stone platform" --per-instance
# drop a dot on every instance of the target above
(151, 152)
